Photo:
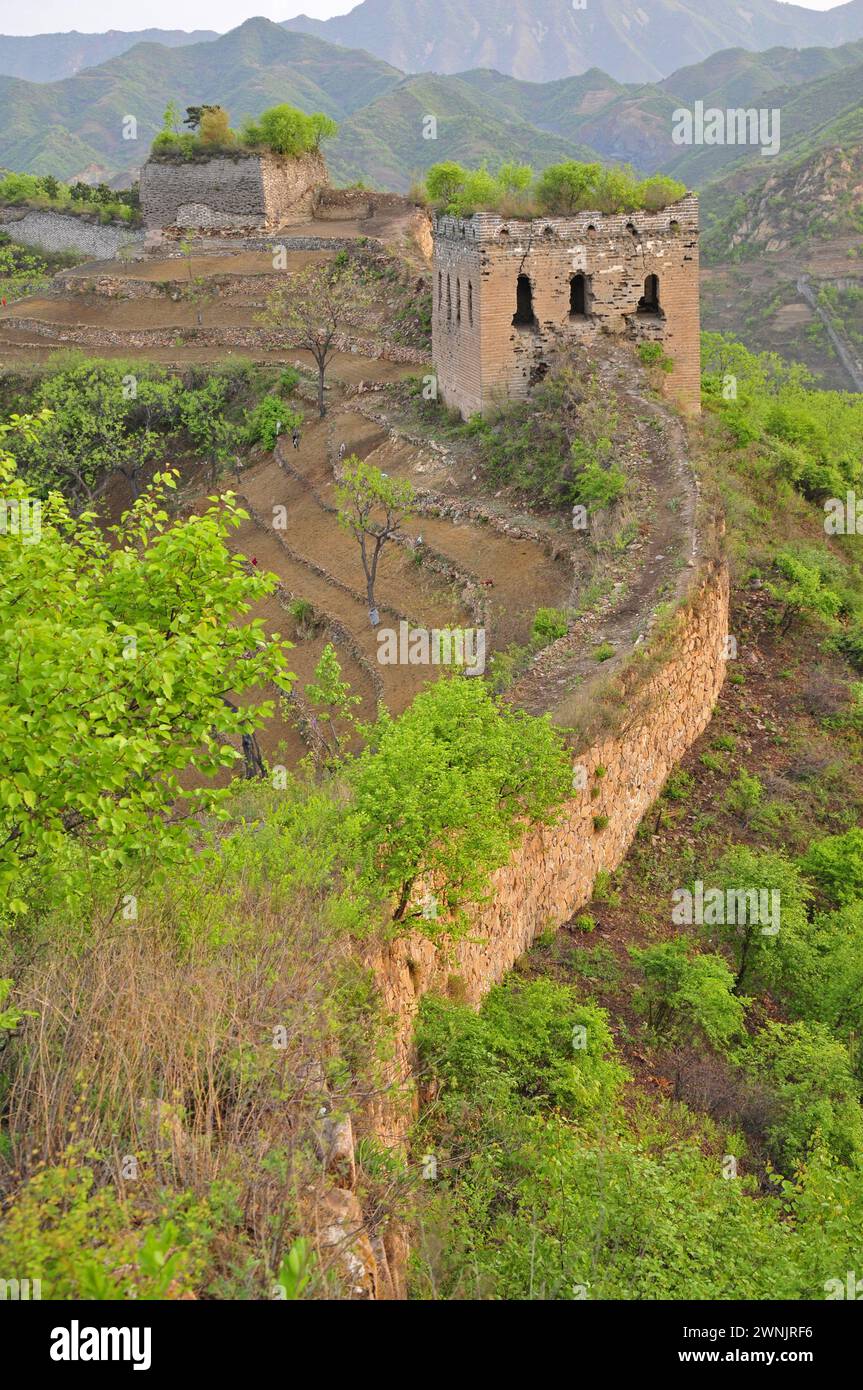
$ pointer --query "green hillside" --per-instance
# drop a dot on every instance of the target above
(383, 143)
(66, 127)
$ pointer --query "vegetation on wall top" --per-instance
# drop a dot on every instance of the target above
(82, 199)
(560, 190)
(282, 129)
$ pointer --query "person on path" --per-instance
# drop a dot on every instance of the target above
(295, 436)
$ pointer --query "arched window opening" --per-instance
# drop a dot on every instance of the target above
(523, 316)
(439, 288)
(578, 296)
(470, 303)
(448, 302)
(458, 301)
(649, 301)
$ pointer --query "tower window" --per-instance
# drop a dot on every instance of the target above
(458, 301)
(649, 301)
(578, 296)
(470, 303)
(448, 302)
(439, 288)
(524, 315)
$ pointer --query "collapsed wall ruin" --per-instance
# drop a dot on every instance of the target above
(235, 192)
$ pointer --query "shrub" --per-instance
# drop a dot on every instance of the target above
(271, 417)
(560, 190)
(688, 997)
(548, 625)
(836, 865)
(532, 1042)
(774, 957)
(810, 1075)
(445, 791)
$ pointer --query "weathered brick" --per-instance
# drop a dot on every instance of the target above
(482, 357)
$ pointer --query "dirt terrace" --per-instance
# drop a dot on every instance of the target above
(470, 558)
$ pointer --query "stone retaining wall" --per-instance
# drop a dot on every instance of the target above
(55, 231)
(249, 339)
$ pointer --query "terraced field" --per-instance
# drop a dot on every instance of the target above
(469, 558)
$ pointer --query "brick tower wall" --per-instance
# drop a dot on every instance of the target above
(481, 357)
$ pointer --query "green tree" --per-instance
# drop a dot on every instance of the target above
(116, 652)
(810, 1076)
(445, 791)
(764, 954)
(836, 865)
(215, 437)
(315, 308)
(332, 708)
(688, 997)
(286, 130)
(567, 187)
(372, 508)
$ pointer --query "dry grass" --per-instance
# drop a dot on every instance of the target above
(152, 1043)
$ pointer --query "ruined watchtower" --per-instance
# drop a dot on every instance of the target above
(509, 293)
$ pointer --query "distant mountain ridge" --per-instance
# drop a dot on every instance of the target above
(542, 40)
(533, 40)
(50, 57)
(74, 127)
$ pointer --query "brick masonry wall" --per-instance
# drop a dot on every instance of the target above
(490, 359)
(230, 192)
(552, 872)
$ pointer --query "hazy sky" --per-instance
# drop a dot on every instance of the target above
(95, 16)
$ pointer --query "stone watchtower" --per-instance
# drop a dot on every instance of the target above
(509, 293)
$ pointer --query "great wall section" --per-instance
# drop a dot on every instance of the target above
(667, 626)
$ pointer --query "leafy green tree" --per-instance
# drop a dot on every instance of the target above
(810, 1076)
(688, 998)
(315, 308)
(764, 954)
(50, 186)
(271, 416)
(802, 590)
(286, 130)
(835, 863)
(332, 707)
(215, 437)
(116, 653)
(534, 1044)
(445, 791)
(19, 188)
(567, 187)
(171, 119)
(372, 508)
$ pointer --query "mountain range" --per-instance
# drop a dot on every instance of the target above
(534, 40)
(75, 127)
(540, 40)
